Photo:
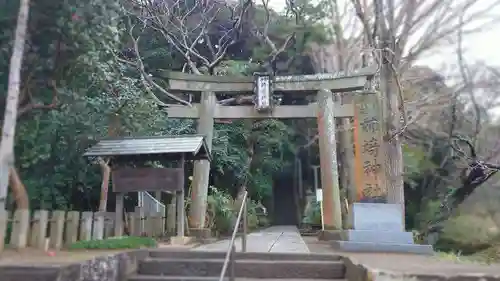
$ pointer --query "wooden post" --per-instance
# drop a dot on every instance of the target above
(109, 224)
(132, 226)
(149, 225)
(156, 227)
(4, 218)
(180, 205)
(297, 187)
(162, 219)
(201, 172)
(73, 219)
(20, 229)
(300, 179)
(171, 215)
(35, 229)
(42, 225)
(139, 223)
(328, 160)
(119, 214)
(180, 213)
(86, 226)
(57, 229)
(98, 229)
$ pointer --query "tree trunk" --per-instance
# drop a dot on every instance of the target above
(106, 174)
(10, 115)
(113, 131)
(18, 190)
(390, 108)
(103, 201)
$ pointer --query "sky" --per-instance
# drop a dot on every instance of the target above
(484, 46)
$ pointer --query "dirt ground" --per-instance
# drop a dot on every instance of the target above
(409, 264)
(35, 256)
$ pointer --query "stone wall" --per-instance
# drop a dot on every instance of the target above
(104, 268)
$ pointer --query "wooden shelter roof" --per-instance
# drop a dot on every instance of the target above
(192, 147)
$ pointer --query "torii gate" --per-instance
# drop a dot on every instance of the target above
(364, 107)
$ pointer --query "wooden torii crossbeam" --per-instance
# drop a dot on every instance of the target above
(325, 109)
(236, 85)
(249, 112)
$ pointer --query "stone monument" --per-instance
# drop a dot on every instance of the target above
(377, 226)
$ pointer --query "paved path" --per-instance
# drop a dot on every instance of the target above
(428, 267)
(276, 239)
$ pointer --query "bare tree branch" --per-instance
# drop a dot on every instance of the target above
(189, 28)
(262, 33)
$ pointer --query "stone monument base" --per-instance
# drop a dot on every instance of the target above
(374, 241)
(371, 236)
(366, 247)
(181, 240)
(201, 233)
(377, 228)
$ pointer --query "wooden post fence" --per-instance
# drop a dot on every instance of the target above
(25, 228)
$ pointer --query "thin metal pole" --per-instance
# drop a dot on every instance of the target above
(245, 226)
(232, 272)
(231, 248)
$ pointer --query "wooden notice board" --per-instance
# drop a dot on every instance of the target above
(148, 179)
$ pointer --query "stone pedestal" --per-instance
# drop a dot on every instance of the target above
(201, 233)
(377, 228)
(181, 240)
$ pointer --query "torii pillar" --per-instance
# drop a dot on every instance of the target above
(202, 168)
(332, 214)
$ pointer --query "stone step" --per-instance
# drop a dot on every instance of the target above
(244, 268)
(240, 255)
(204, 278)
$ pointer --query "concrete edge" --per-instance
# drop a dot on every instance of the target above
(112, 267)
(356, 271)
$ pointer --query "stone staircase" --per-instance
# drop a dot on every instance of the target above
(206, 266)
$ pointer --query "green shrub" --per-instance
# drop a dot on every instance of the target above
(264, 221)
(220, 210)
(313, 214)
(221, 215)
(125, 242)
(467, 234)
